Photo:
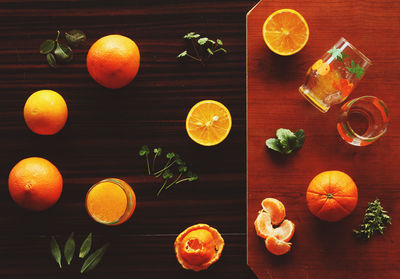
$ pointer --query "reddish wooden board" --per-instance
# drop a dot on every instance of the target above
(321, 249)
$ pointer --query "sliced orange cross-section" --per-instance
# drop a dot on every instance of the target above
(208, 122)
(285, 32)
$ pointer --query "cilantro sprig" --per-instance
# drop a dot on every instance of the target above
(174, 170)
(286, 141)
(375, 219)
(203, 48)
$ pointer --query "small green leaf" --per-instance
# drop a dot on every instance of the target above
(274, 144)
(47, 46)
(157, 151)
(192, 176)
(210, 51)
(75, 37)
(167, 174)
(63, 53)
(51, 60)
(182, 54)
(55, 250)
(69, 248)
(219, 42)
(287, 139)
(182, 169)
(86, 246)
(93, 260)
(170, 155)
(144, 150)
(202, 41)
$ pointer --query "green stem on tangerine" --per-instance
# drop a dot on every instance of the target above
(329, 196)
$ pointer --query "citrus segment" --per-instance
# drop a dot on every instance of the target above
(208, 122)
(332, 195)
(263, 224)
(45, 112)
(285, 231)
(198, 247)
(113, 61)
(35, 183)
(275, 208)
(276, 246)
(285, 32)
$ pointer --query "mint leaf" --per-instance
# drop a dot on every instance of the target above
(301, 136)
(274, 144)
(356, 69)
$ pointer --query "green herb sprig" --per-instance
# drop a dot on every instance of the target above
(286, 141)
(62, 53)
(69, 250)
(375, 220)
(340, 55)
(203, 48)
(174, 170)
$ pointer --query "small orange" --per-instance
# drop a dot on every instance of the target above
(198, 247)
(35, 183)
(45, 112)
(332, 195)
(321, 67)
(276, 246)
(275, 208)
(113, 61)
(208, 122)
(285, 32)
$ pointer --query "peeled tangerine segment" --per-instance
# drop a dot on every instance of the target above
(198, 247)
(263, 224)
(276, 246)
(275, 208)
(285, 231)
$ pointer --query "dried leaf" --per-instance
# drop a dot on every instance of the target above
(75, 38)
(63, 53)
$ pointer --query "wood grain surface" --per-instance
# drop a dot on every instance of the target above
(106, 128)
(321, 249)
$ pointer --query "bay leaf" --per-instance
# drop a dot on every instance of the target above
(69, 248)
(55, 250)
(93, 260)
(86, 246)
(47, 46)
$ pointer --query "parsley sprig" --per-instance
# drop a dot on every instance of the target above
(375, 219)
(203, 48)
(286, 141)
(174, 170)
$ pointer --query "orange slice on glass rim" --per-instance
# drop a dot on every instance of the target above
(208, 122)
(285, 32)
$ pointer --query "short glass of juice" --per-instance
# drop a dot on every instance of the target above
(110, 201)
(333, 77)
(363, 120)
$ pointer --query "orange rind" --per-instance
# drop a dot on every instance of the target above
(276, 246)
(198, 247)
(275, 208)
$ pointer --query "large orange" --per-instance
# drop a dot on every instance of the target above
(113, 61)
(45, 112)
(285, 32)
(332, 195)
(35, 183)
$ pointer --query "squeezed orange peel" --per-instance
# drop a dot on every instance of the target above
(198, 247)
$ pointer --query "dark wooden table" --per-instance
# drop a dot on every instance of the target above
(106, 128)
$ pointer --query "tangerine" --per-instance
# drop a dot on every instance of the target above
(198, 247)
(113, 61)
(276, 246)
(35, 183)
(45, 112)
(332, 195)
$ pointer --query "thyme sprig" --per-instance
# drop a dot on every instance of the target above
(375, 219)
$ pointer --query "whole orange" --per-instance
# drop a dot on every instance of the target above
(35, 183)
(113, 61)
(332, 195)
(45, 112)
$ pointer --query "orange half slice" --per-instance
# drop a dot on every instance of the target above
(208, 122)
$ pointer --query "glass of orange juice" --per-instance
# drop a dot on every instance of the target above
(333, 77)
(110, 201)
